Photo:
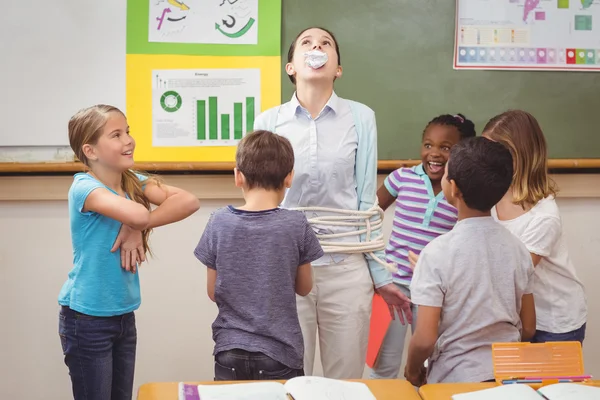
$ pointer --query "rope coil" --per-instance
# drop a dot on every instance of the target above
(352, 218)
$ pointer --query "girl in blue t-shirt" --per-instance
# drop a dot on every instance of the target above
(111, 218)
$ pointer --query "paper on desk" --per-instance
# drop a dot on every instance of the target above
(570, 391)
(243, 391)
(512, 392)
(317, 388)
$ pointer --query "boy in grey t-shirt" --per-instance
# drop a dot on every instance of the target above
(258, 258)
(473, 284)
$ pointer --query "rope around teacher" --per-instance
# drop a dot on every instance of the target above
(366, 221)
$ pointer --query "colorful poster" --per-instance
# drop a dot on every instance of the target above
(201, 21)
(210, 107)
(198, 73)
(528, 35)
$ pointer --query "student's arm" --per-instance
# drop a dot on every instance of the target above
(310, 250)
(527, 312)
(413, 258)
(536, 259)
(206, 253)
(388, 191)
(384, 198)
(428, 292)
(422, 344)
(527, 317)
(128, 212)
(174, 204)
(211, 280)
(541, 236)
(304, 280)
(90, 196)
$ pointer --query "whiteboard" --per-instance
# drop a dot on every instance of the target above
(56, 57)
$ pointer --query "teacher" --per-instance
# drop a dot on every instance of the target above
(335, 147)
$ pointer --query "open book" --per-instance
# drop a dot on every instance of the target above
(300, 388)
(557, 391)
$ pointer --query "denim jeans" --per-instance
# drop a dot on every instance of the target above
(574, 336)
(100, 354)
(241, 365)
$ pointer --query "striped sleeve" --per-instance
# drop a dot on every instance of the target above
(392, 182)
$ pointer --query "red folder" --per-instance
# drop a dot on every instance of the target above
(380, 321)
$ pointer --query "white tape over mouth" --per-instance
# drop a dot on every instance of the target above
(315, 59)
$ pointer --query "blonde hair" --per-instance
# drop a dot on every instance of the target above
(86, 127)
(520, 132)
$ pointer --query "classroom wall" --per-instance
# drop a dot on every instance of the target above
(174, 333)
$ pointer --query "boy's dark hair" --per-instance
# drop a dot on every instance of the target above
(465, 126)
(482, 170)
(292, 48)
(265, 159)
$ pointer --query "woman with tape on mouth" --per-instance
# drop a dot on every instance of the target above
(335, 146)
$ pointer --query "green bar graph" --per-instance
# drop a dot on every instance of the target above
(225, 126)
(223, 122)
(249, 114)
(212, 118)
(201, 119)
(237, 121)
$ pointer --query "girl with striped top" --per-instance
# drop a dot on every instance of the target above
(422, 214)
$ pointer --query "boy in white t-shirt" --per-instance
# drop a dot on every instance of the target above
(472, 285)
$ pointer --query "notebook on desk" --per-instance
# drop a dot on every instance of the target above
(557, 391)
(300, 388)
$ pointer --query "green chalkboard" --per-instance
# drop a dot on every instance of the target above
(397, 59)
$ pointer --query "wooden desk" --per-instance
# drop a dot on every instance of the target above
(445, 391)
(393, 389)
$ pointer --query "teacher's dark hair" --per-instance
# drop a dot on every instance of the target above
(293, 47)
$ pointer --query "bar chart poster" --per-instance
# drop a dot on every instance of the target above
(203, 107)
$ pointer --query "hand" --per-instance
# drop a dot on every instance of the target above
(132, 248)
(416, 378)
(413, 258)
(395, 299)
